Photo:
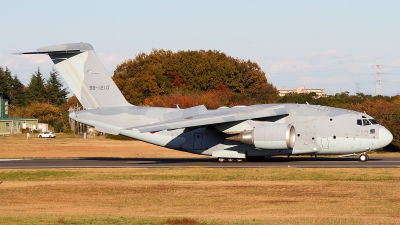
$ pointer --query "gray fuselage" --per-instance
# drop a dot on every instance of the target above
(318, 130)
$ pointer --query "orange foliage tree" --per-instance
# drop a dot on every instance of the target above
(44, 112)
(211, 99)
(193, 76)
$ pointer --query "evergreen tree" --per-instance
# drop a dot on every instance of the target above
(17, 92)
(36, 89)
(5, 83)
(56, 94)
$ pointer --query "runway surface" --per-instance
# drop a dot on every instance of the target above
(197, 162)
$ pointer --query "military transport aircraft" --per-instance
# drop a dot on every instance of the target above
(233, 134)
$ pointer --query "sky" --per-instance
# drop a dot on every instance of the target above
(317, 44)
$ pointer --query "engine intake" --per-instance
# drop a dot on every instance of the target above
(272, 136)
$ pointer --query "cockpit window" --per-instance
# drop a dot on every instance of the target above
(366, 122)
(373, 121)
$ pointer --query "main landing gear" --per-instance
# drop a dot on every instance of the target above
(364, 157)
(221, 160)
(239, 160)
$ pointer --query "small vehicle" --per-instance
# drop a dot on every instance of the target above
(48, 134)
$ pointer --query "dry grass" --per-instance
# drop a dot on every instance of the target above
(73, 146)
(204, 196)
(193, 196)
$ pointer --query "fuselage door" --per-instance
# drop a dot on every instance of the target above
(325, 143)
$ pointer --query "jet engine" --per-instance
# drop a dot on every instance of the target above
(271, 136)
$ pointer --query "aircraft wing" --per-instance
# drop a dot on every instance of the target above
(215, 117)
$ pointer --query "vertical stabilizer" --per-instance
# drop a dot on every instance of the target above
(85, 74)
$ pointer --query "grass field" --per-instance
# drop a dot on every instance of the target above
(72, 146)
(185, 195)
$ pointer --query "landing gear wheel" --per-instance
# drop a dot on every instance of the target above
(239, 160)
(221, 160)
(364, 157)
(231, 160)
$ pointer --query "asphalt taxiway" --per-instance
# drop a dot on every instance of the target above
(198, 162)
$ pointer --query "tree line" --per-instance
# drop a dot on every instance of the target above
(185, 78)
(42, 98)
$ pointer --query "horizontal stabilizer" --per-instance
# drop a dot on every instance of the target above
(74, 51)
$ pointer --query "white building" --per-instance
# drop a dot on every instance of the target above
(43, 127)
(319, 91)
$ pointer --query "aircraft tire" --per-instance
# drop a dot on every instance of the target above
(230, 160)
(239, 160)
(221, 160)
(364, 157)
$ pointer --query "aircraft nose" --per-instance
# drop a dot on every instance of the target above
(385, 137)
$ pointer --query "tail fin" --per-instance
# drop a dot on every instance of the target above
(85, 74)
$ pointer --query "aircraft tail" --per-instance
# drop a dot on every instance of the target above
(85, 74)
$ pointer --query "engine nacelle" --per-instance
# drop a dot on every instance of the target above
(272, 136)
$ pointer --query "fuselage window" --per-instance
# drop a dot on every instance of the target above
(372, 131)
(359, 122)
(366, 122)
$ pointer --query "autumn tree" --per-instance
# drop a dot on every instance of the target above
(162, 73)
(72, 102)
(45, 113)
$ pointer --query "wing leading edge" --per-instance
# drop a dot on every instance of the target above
(216, 117)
